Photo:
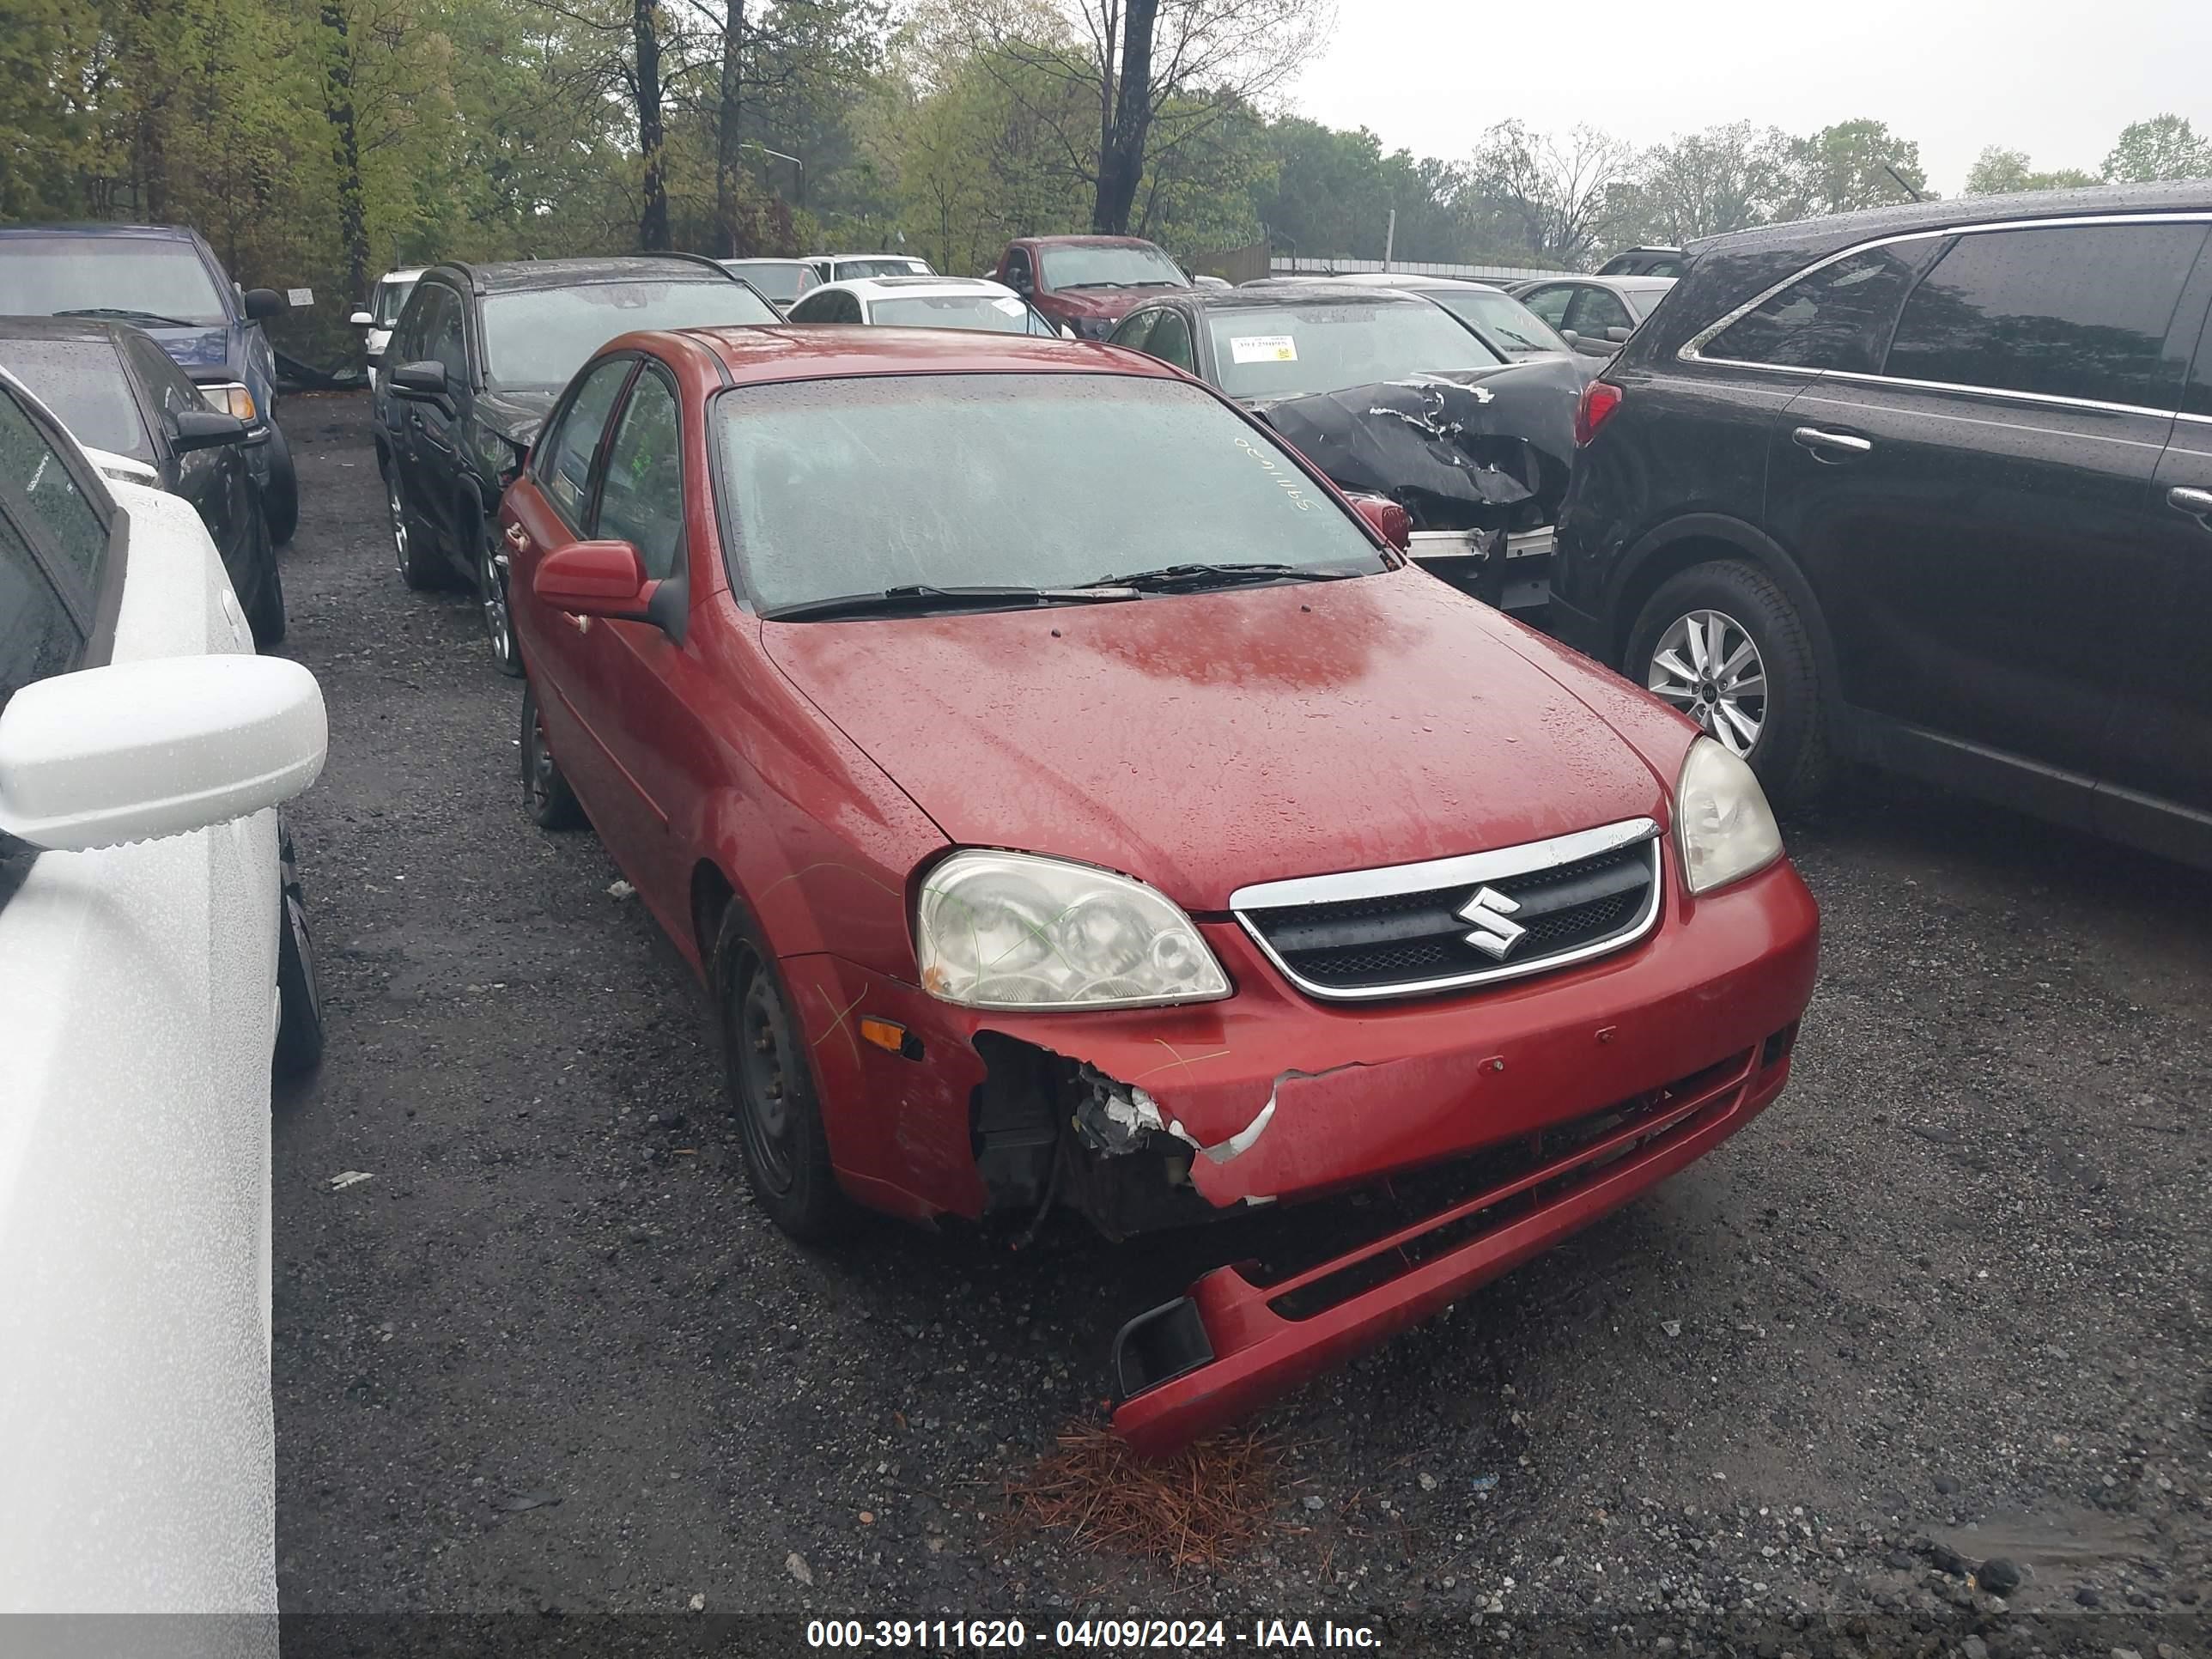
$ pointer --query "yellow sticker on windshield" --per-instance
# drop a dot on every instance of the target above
(1263, 349)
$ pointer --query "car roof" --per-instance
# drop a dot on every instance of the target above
(1274, 295)
(515, 276)
(1413, 280)
(760, 353)
(1843, 229)
(769, 259)
(1641, 284)
(87, 227)
(915, 286)
(63, 328)
(881, 253)
(1087, 242)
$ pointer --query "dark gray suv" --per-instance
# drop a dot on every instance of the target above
(1930, 487)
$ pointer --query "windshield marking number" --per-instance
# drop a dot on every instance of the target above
(1285, 481)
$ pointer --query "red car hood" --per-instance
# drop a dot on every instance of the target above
(1110, 302)
(1205, 741)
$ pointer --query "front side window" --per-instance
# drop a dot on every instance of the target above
(816, 308)
(1294, 350)
(1596, 311)
(2070, 311)
(153, 281)
(541, 339)
(839, 487)
(642, 501)
(76, 527)
(1550, 304)
(83, 382)
(1838, 316)
(38, 636)
(989, 314)
(1171, 342)
(1137, 265)
(173, 394)
(445, 342)
(1134, 331)
(564, 466)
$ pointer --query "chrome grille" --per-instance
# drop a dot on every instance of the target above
(1405, 930)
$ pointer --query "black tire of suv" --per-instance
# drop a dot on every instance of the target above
(421, 565)
(280, 503)
(265, 609)
(1791, 756)
(546, 793)
(753, 1005)
(299, 994)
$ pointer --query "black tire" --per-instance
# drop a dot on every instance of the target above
(265, 607)
(552, 805)
(280, 501)
(299, 994)
(491, 595)
(414, 550)
(770, 1079)
(1790, 752)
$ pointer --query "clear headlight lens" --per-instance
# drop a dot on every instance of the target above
(1721, 815)
(229, 398)
(1011, 930)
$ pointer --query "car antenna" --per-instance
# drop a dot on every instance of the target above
(1901, 185)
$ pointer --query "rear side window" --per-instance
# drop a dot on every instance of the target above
(1838, 317)
(2070, 311)
(77, 528)
(565, 471)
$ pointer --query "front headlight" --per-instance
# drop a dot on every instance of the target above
(228, 397)
(1722, 818)
(1013, 929)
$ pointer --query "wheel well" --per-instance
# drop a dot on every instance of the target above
(1661, 565)
(711, 895)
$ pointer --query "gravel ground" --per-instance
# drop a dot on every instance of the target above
(1945, 1303)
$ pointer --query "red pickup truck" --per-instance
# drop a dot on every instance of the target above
(1088, 282)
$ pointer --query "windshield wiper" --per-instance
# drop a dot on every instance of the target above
(152, 316)
(919, 600)
(1064, 287)
(1189, 578)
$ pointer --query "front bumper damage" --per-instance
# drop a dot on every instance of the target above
(1494, 1124)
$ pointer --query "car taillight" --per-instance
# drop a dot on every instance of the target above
(1599, 399)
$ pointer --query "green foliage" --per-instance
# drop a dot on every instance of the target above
(2164, 147)
(1848, 164)
(1998, 171)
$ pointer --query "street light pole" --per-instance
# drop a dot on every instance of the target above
(798, 165)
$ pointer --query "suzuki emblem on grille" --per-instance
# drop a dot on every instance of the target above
(1494, 934)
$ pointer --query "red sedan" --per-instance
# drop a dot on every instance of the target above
(1073, 801)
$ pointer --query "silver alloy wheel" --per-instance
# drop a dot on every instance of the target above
(399, 512)
(491, 585)
(1706, 666)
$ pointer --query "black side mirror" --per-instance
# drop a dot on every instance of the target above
(205, 429)
(425, 381)
(263, 303)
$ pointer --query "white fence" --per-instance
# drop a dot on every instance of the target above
(1289, 264)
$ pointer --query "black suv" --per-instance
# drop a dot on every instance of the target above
(476, 361)
(1930, 487)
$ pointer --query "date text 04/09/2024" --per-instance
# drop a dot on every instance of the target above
(1107, 1634)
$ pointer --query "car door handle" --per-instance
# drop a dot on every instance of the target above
(1831, 445)
(2196, 503)
(518, 538)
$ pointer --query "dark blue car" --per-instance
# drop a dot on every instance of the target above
(166, 280)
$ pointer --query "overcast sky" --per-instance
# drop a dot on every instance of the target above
(2057, 78)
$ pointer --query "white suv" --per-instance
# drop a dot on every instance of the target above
(154, 960)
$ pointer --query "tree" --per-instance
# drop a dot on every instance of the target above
(1708, 183)
(1998, 171)
(1156, 76)
(2164, 147)
(1561, 195)
(1848, 165)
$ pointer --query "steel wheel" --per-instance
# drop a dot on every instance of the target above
(398, 511)
(552, 803)
(1707, 666)
(763, 1069)
(491, 592)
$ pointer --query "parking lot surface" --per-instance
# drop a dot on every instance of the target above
(1946, 1302)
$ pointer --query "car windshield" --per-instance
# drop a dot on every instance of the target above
(997, 313)
(390, 297)
(1291, 351)
(1109, 266)
(781, 280)
(48, 275)
(541, 337)
(1643, 301)
(1502, 316)
(840, 487)
(852, 269)
(83, 382)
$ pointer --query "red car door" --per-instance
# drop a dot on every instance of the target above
(549, 507)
